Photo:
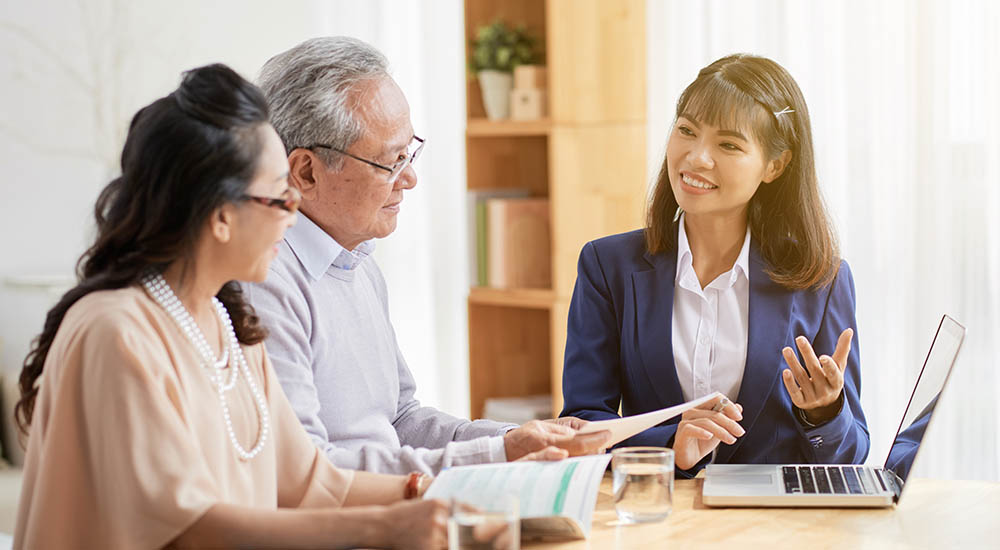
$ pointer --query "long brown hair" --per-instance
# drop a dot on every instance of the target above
(186, 154)
(788, 220)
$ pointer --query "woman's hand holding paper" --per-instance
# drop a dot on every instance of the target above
(703, 427)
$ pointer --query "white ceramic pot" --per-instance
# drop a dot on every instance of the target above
(496, 87)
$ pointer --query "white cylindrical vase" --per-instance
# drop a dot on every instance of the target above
(496, 87)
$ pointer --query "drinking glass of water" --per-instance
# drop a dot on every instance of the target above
(643, 483)
(498, 528)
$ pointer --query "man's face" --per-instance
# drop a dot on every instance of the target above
(356, 203)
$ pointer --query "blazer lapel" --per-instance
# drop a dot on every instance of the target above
(769, 315)
(653, 296)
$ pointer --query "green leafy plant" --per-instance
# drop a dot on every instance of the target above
(500, 48)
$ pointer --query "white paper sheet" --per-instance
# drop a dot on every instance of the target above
(624, 428)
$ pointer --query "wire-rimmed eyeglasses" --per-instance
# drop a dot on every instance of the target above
(395, 170)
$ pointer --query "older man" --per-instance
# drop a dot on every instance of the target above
(346, 127)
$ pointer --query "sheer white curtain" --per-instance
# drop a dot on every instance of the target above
(903, 99)
(424, 261)
(75, 72)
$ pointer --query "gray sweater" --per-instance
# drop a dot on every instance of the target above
(335, 353)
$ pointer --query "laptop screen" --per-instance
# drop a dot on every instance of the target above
(930, 383)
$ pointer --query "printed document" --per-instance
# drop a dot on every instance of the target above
(556, 498)
(624, 428)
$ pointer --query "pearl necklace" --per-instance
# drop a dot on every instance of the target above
(158, 288)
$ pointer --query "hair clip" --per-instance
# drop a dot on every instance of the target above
(784, 111)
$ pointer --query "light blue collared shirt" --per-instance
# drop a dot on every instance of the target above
(334, 351)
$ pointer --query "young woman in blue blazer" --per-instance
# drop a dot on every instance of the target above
(736, 269)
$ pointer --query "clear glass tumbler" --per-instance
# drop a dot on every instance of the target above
(643, 483)
(499, 528)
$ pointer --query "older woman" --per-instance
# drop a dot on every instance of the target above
(158, 420)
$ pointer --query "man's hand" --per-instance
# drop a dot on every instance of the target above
(545, 455)
(536, 435)
(570, 421)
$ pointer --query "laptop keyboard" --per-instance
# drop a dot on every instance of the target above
(829, 480)
(853, 483)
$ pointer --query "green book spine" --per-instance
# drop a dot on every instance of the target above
(481, 256)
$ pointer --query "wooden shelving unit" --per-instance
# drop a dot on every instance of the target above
(530, 298)
(481, 127)
(587, 158)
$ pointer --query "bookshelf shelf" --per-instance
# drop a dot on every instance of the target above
(530, 298)
(481, 127)
(587, 158)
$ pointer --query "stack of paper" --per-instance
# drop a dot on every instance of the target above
(518, 410)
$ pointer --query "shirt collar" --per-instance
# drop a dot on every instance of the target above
(318, 251)
(743, 261)
(685, 266)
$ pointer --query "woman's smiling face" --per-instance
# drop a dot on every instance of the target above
(715, 170)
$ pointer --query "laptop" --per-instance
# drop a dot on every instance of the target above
(839, 485)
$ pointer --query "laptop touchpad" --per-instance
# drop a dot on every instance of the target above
(745, 479)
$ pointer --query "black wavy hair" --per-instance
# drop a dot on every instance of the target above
(186, 154)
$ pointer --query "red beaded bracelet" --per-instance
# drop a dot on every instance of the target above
(412, 489)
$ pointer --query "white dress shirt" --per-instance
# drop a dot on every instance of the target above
(709, 328)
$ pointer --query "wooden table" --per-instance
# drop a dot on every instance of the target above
(931, 514)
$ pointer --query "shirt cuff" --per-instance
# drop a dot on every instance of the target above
(800, 415)
(830, 432)
(506, 428)
(481, 450)
(498, 453)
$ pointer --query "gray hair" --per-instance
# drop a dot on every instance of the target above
(309, 90)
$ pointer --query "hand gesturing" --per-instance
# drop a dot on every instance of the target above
(816, 387)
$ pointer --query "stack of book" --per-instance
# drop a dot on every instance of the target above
(510, 239)
(518, 410)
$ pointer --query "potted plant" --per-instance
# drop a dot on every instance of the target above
(496, 50)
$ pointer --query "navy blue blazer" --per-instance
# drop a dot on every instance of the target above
(618, 351)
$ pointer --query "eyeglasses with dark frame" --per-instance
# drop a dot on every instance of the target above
(394, 171)
(289, 201)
